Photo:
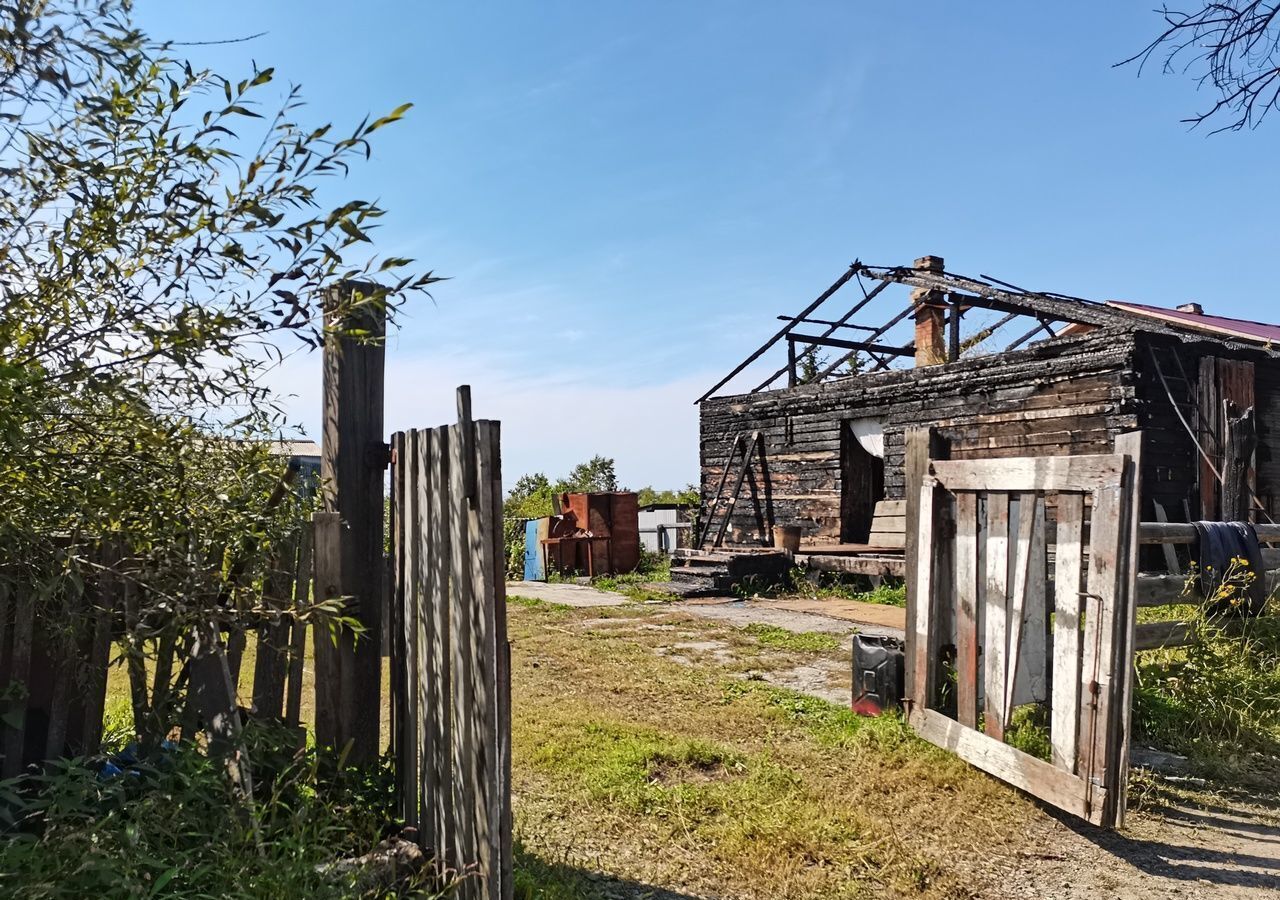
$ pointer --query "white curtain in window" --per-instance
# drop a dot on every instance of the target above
(870, 434)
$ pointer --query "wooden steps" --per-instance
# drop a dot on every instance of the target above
(717, 572)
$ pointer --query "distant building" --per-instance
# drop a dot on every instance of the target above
(664, 526)
(307, 455)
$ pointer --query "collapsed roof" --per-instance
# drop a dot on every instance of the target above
(956, 316)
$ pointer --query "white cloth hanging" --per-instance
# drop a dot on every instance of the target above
(869, 434)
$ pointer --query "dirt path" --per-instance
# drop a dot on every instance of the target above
(1178, 844)
(1203, 845)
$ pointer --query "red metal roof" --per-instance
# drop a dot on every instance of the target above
(1243, 329)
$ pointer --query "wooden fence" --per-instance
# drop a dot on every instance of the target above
(450, 661)
(55, 705)
(55, 683)
(1171, 587)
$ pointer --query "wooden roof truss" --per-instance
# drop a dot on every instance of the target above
(805, 334)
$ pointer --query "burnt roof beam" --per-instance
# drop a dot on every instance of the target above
(867, 297)
(854, 268)
(1085, 312)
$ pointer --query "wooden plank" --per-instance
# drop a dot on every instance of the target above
(327, 585)
(298, 629)
(1064, 716)
(995, 611)
(919, 653)
(1162, 590)
(414, 562)
(1028, 668)
(888, 507)
(1185, 533)
(1170, 555)
(921, 444)
(966, 617)
(1029, 473)
(822, 298)
(1102, 625)
(403, 662)
(461, 609)
(439, 659)
(271, 659)
(422, 600)
(59, 710)
(1163, 635)
(1208, 411)
(134, 650)
(105, 600)
(854, 565)
(351, 469)
(842, 344)
(1131, 446)
(1021, 770)
(490, 589)
(1156, 635)
(888, 540)
(214, 695)
(1022, 570)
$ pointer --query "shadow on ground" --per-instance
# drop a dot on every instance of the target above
(1221, 844)
(537, 878)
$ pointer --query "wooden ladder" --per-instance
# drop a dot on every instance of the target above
(744, 447)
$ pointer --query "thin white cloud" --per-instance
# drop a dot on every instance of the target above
(552, 417)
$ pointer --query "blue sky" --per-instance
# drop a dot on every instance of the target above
(626, 194)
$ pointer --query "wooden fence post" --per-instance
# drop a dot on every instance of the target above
(1240, 441)
(922, 444)
(353, 459)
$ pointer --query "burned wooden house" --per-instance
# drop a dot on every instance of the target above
(817, 439)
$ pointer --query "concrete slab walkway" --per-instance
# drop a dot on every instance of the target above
(580, 595)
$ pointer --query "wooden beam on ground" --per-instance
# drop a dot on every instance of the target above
(1023, 771)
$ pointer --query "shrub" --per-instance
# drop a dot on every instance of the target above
(1216, 699)
(171, 827)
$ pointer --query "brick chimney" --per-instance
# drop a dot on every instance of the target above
(1191, 307)
(931, 318)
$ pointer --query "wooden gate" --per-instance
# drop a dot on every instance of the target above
(1022, 612)
(450, 661)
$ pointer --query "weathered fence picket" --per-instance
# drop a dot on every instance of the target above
(451, 688)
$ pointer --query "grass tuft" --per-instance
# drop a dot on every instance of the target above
(782, 639)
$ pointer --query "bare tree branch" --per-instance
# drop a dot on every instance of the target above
(1233, 48)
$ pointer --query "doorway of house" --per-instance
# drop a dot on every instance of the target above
(861, 476)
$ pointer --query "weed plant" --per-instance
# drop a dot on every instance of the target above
(170, 826)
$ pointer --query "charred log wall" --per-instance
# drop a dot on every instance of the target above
(1171, 458)
(1066, 396)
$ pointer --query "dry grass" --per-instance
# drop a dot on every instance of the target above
(636, 768)
(692, 779)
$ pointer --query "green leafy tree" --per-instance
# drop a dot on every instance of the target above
(162, 246)
(689, 497)
(594, 475)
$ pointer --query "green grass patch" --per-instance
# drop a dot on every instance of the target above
(653, 568)
(1028, 730)
(1215, 700)
(537, 603)
(782, 639)
(830, 725)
